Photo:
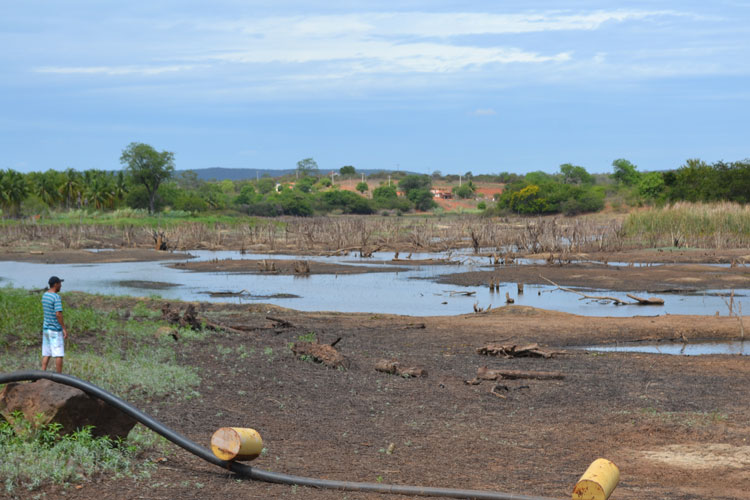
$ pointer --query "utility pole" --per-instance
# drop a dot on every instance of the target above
(332, 174)
(389, 180)
(363, 177)
(459, 180)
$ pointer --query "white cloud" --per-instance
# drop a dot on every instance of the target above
(114, 70)
(484, 112)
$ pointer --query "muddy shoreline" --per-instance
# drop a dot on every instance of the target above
(279, 267)
(666, 278)
(676, 426)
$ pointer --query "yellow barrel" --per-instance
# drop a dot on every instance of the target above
(598, 482)
(236, 443)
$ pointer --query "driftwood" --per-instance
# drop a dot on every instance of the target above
(516, 351)
(229, 293)
(394, 368)
(651, 301)
(414, 326)
(301, 267)
(190, 319)
(484, 373)
(480, 310)
(615, 300)
(282, 323)
(160, 241)
(320, 353)
(460, 292)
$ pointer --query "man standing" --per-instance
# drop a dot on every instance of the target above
(53, 331)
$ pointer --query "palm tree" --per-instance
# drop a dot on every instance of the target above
(70, 186)
(99, 190)
(45, 186)
(14, 189)
(120, 188)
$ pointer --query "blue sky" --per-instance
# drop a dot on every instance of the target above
(417, 85)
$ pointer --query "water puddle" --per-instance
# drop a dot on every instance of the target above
(411, 290)
(677, 348)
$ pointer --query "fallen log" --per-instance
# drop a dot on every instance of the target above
(320, 353)
(460, 292)
(651, 301)
(394, 368)
(280, 322)
(615, 300)
(484, 373)
(516, 351)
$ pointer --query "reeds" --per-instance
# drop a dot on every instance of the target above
(700, 225)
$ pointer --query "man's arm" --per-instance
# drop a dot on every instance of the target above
(59, 315)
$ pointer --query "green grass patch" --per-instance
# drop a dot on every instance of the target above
(149, 371)
(35, 456)
(122, 356)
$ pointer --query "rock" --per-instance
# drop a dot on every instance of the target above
(68, 406)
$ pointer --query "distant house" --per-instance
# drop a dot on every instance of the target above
(443, 194)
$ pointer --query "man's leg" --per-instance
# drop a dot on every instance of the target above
(45, 360)
(58, 364)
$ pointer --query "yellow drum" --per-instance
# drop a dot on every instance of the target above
(598, 482)
(236, 443)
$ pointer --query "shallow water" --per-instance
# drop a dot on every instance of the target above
(731, 347)
(411, 291)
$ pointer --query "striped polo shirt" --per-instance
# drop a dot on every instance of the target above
(51, 304)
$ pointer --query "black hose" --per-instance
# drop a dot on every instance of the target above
(246, 470)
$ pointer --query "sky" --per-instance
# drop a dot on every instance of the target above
(423, 86)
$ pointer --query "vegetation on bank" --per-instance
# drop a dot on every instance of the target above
(698, 225)
(37, 455)
(149, 183)
(123, 355)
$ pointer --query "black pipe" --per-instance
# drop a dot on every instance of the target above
(246, 470)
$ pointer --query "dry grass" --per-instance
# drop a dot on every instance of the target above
(699, 225)
(710, 226)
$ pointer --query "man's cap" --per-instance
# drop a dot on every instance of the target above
(54, 280)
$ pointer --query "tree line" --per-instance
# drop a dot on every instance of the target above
(149, 181)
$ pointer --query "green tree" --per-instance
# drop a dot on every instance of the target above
(266, 185)
(422, 199)
(464, 191)
(45, 186)
(70, 187)
(573, 174)
(362, 187)
(305, 184)
(148, 167)
(306, 167)
(414, 182)
(120, 187)
(13, 190)
(347, 170)
(651, 185)
(99, 190)
(383, 193)
(625, 172)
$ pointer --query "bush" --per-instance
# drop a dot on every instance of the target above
(348, 202)
(422, 199)
(465, 191)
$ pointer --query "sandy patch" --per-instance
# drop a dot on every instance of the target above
(701, 456)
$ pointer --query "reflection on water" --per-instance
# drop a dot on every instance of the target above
(411, 291)
(697, 349)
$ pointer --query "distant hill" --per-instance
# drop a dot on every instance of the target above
(238, 174)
